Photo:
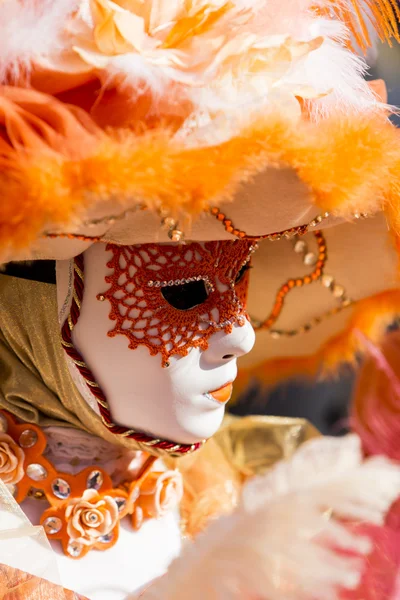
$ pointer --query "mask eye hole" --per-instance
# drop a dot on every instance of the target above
(187, 295)
(242, 273)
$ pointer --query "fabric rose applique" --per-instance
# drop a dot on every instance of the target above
(91, 518)
(11, 460)
(157, 495)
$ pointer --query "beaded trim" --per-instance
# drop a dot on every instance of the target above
(147, 441)
(272, 237)
(176, 235)
(161, 284)
(337, 290)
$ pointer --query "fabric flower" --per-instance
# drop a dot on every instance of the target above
(91, 517)
(160, 493)
(211, 54)
(11, 460)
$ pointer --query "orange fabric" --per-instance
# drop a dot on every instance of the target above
(18, 585)
(370, 317)
(62, 177)
(143, 315)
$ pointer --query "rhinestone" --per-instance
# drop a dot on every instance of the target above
(326, 215)
(338, 291)
(36, 472)
(121, 503)
(151, 283)
(300, 246)
(171, 282)
(94, 480)
(310, 259)
(61, 488)
(106, 539)
(3, 424)
(327, 280)
(28, 438)
(52, 525)
(101, 297)
(74, 548)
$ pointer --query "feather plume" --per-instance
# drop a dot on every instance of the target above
(288, 539)
(29, 29)
(376, 404)
(363, 17)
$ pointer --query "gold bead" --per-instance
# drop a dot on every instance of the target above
(327, 280)
(300, 246)
(338, 291)
(275, 335)
(310, 259)
(175, 235)
(101, 297)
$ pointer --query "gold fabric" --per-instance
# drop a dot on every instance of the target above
(35, 383)
(243, 447)
(253, 444)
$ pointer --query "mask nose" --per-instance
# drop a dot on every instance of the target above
(224, 347)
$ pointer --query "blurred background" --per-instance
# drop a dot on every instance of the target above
(325, 403)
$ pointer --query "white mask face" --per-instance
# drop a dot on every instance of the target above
(173, 403)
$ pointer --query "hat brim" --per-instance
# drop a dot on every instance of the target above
(58, 171)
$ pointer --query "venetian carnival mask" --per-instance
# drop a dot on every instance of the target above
(156, 333)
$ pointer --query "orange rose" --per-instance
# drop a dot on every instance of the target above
(90, 517)
(11, 460)
(159, 494)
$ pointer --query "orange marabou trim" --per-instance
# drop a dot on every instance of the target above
(47, 179)
(371, 317)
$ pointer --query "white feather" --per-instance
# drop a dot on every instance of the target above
(29, 29)
(279, 543)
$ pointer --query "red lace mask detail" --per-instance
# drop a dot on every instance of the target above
(173, 298)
